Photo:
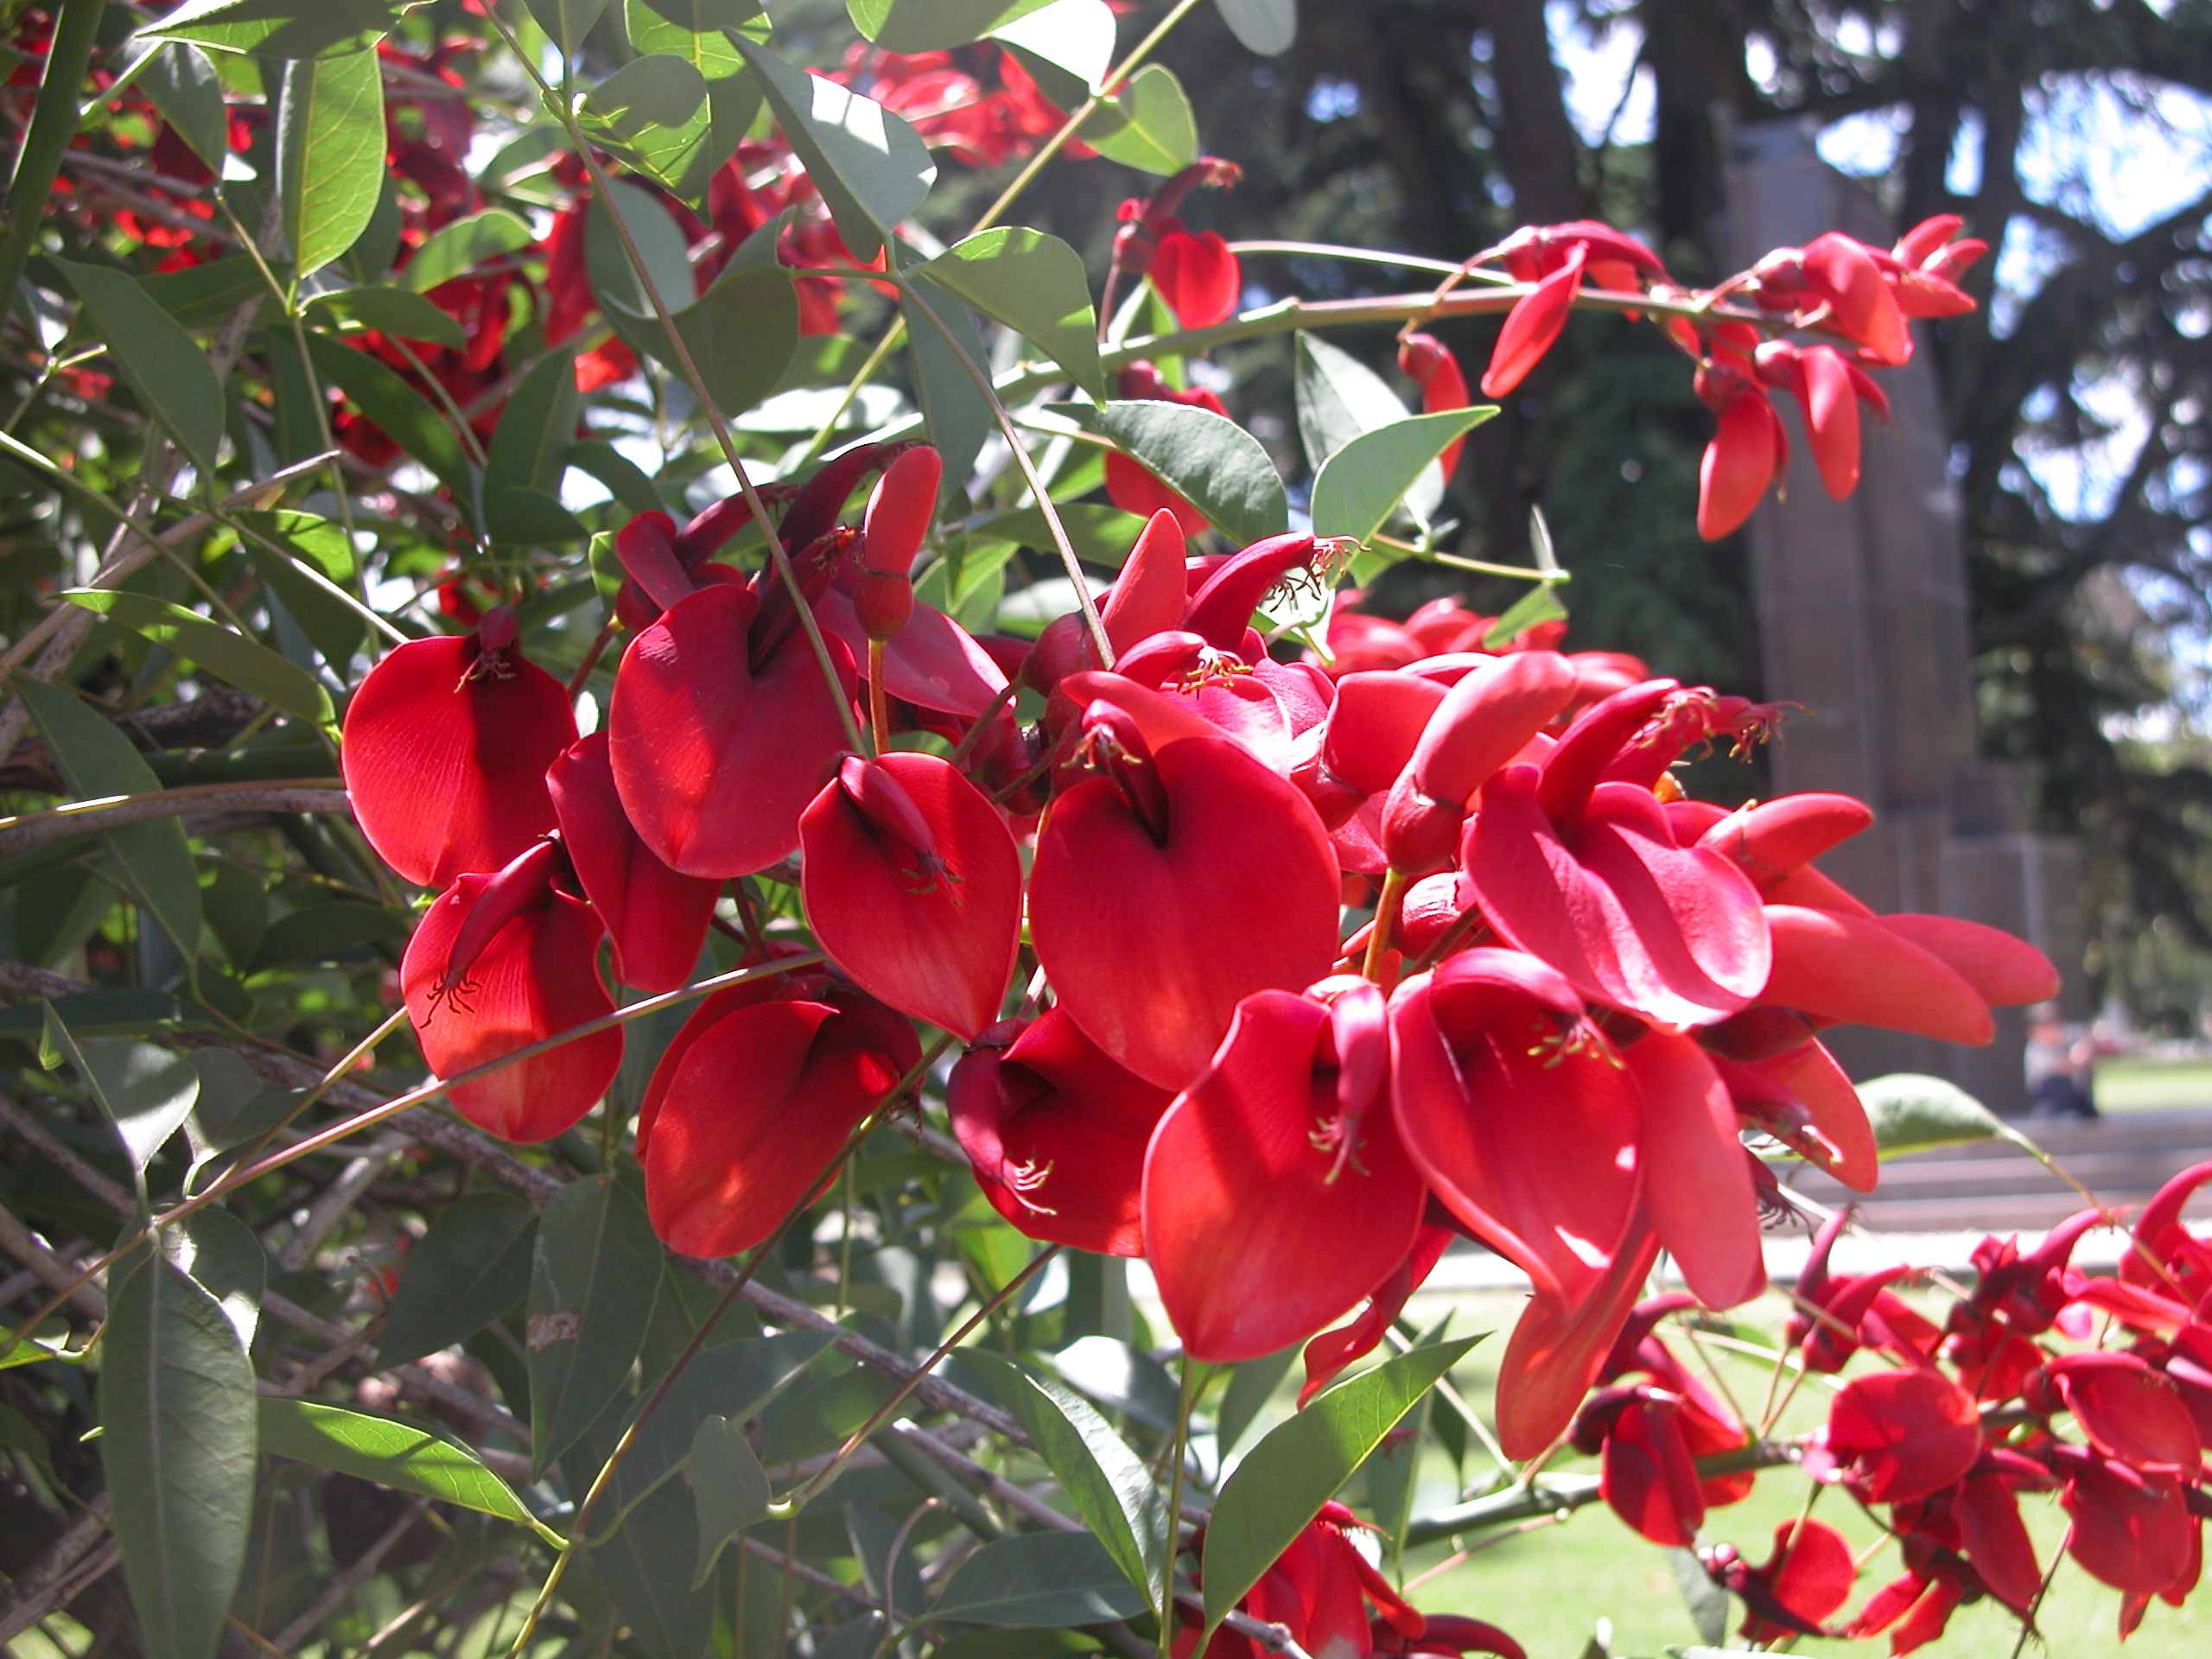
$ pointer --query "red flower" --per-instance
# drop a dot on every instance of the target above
(1807, 1578)
(1056, 1132)
(914, 887)
(499, 963)
(446, 745)
(1197, 276)
(1428, 362)
(1897, 1435)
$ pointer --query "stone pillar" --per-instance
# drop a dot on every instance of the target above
(1863, 619)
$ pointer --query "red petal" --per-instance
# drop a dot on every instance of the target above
(2137, 1537)
(933, 940)
(1533, 325)
(2128, 1410)
(1056, 1133)
(1697, 1183)
(1842, 272)
(656, 918)
(1258, 1236)
(1774, 837)
(538, 976)
(1374, 725)
(2002, 969)
(1909, 1434)
(1476, 1041)
(1559, 1345)
(1997, 1542)
(1831, 401)
(446, 747)
(755, 1108)
(1150, 948)
(1738, 464)
(1646, 1475)
(1149, 596)
(714, 761)
(1197, 276)
(1133, 488)
(1844, 968)
(932, 661)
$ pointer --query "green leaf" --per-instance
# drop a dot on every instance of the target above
(623, 477)
(647, 1568)
(330, 154)
(1067, 46)
(95, 759)
(1034, 284)
(189, 94)
(146, 1091)
(1251, 1385)
(872, 168)
(1147, 124)
(565, 22)
(530, 447)
(206, 297)
(469, 1269)
(165, 367)
(1298, 1465)
(399, 412)
(705, 16)
(1539, 604)
(660, 244)
(119, 1013)
(1358, 486)
(1266, 27)
(177, 1443)
(391, 311)
(954, 414)
(1338, 397)
(1101, 534)
(1041, 1580)
(729, 1489)
(933, 25)
(594, 1271)
(658, 90)
(281, 29)
(741, 335)
(247, 664)
(226, 1261)
(731, 1379)
(1910, 1112)
(390, 1454)
(1214, 463)
(464, 244)
(1109, 1485)
(684, 157)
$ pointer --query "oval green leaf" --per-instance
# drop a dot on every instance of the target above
(1214, 463)
(729, 1489)
(391, 311)
(1298, 1465)
(189, 94)
(1266, 27)
(933, 25)
(177, 1442)
(401, 413)
(282, 29)
(462, 245)
(565, 22)
(1039, 1580)
(871, 167)
(741, 335)
(470, 1268)
(1147, 125)
(1034, 284)
(594, 1271)
(247, 664)
(172, 377)
(1911, 1112)
(394, 1455)
(1358, 487)
(330, 154)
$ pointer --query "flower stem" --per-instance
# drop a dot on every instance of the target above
(1187, 1396)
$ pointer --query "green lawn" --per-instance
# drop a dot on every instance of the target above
(2152, 1085)
(1548, 1586)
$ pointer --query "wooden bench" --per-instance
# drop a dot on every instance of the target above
(1994, 1186)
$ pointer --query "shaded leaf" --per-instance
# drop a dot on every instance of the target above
(469, 1269)
(1251, 1385)
(390, 1454)
(706, 16)
(614, 281)
(226, 1261)
(172, 377)
(247, 664)
(741, 335)
(177, 1442)
(1214, 463)
(647, 1568)
(732, 1380)
(119, 1013)
(1147, 124)
(1109, 1485)
(1034, 284)
(872, 168)
(1039, 1579)
(318, 932)
(957, 419)
(1359, 486)
(281, 29)
(1910, 1112)
(565, 22)
(452, 250)
(729, 1489)
(330, 154)
(933, 25)
(399, 412)
(398, 311)
(530, 447)
(1266, 27)
(189, 94)
(1539, 604)
(146, 1091)
(658, 90)
(1338, 398)
(1298, 1467)
(594, 1271)
(95, 759)
(1067, 45)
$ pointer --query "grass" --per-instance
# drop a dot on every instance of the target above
(2152, 1085)
(1550, 1585)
